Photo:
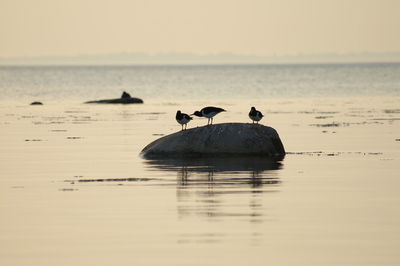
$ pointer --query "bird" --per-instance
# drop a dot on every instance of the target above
(209, 112)
(182, 118)
(255, 115)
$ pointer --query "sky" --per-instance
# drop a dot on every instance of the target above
(247, 27)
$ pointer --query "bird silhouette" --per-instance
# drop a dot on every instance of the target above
(209, 112)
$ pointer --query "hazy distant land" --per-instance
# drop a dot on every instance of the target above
(188, 58)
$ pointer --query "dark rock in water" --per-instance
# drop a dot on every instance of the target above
(118, 100)
(36, 103)
(231, 139)
(125, 95)
(125, 99)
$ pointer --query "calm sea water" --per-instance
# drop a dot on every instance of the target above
(199, 82)
(74, 190)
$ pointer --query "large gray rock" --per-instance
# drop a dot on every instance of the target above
(236, 139)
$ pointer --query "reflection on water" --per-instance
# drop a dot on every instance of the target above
(221, 188)
(215, 164)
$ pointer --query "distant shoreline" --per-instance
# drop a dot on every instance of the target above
(208, 59)
(200, 64)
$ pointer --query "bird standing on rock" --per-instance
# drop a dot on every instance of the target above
(255, 115)
(209, 112)
(182, 118)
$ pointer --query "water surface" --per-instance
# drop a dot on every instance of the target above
(74, 189)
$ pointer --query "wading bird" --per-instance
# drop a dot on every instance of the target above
(255, 115)
(209, 112)
(182, 118)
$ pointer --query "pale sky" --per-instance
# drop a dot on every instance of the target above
(251, 27)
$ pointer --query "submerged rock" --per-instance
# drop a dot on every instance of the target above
(125, 99)
(232, 139)
(36, 103)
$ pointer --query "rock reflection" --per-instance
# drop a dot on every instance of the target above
(222, 188)
(215, 164)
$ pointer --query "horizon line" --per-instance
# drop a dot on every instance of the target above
(195, 64)
(175, 58)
